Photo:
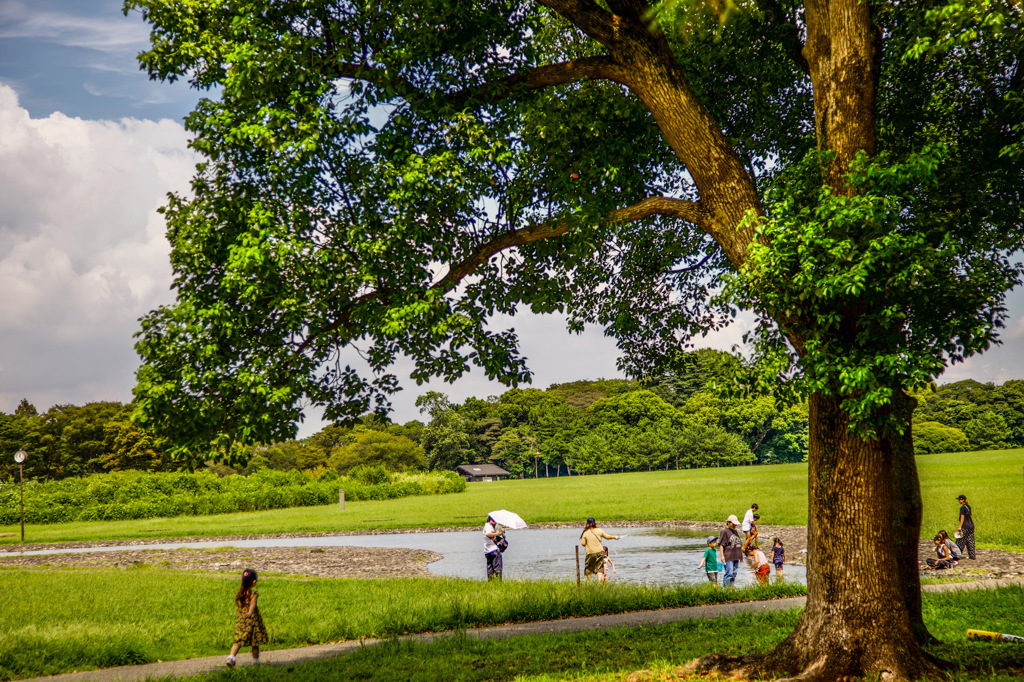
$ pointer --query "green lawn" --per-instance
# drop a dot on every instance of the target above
(54, 621)
(611, 655)
(992, 481)
(62, 620)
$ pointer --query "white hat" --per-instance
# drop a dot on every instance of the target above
(733, 520)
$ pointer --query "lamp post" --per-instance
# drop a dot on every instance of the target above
(20, 456)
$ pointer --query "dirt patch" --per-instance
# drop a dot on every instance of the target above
(320, 562)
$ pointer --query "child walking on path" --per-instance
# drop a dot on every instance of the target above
(710, 561)
(249, 628)
(778, 557)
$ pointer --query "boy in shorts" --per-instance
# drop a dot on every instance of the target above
(710, 561)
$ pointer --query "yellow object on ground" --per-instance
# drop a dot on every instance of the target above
(992, 636)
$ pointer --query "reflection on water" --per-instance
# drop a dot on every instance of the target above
(641, 555)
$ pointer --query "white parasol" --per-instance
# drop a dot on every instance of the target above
(508, 519)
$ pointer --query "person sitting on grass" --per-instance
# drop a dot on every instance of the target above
(942, 552)
(249, 628)
(954, 551)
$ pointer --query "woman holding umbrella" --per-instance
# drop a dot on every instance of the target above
(494, 539)
(492, 553)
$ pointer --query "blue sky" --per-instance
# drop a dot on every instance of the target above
(78, 57)
(89, 147)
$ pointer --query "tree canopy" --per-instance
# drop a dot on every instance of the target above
(381, 179)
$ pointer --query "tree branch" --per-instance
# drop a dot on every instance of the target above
(689, 268)
(630, 9)
(687, 210)
(549, 75)
(677, 208)
(588, 16)
(340, 321)
(786, 31)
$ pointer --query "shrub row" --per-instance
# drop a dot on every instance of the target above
(142, 495)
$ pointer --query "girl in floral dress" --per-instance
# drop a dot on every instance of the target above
(249, 628)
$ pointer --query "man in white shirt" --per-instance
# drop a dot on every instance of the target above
(748, 519)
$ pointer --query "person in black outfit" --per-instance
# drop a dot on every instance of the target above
(966, 528)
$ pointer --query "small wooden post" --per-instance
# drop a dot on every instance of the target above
(341, 500)
(577, 565)
(21, 477)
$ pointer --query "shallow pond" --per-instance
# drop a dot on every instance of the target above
(648, 556)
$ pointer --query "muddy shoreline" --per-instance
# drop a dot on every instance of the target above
(366, 562)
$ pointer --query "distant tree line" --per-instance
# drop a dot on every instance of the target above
(969, 415)
(585, 427)
(678, 420)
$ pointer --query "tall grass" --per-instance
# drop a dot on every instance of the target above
(992, 481)
(55, 621)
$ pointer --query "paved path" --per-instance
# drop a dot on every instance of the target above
(280, 657)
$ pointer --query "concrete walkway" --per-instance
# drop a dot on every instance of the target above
(282, 657)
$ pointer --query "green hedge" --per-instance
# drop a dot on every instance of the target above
(143, 495)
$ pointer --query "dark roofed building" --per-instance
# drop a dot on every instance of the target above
(481, 472)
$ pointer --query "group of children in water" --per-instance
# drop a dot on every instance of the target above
(754, 554)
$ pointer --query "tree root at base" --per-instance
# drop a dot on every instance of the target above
(788, 667)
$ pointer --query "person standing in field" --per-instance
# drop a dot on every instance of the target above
(492, 531)
(748, 520)
(778, 557)
(751, 539)
(732, 550)
(591, 541)
(249, 628)
(710, 561)
(965, 531)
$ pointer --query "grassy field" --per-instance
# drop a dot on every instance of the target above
(611, 655)
(68, 620)
(992, 481)
(63, 620)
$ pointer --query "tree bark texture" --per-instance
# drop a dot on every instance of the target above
(843, 51)
(863, 607)
(860, 533)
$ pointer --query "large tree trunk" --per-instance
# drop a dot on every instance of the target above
(863, 614)
(907, 514)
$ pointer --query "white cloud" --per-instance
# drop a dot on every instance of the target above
(82, 249)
